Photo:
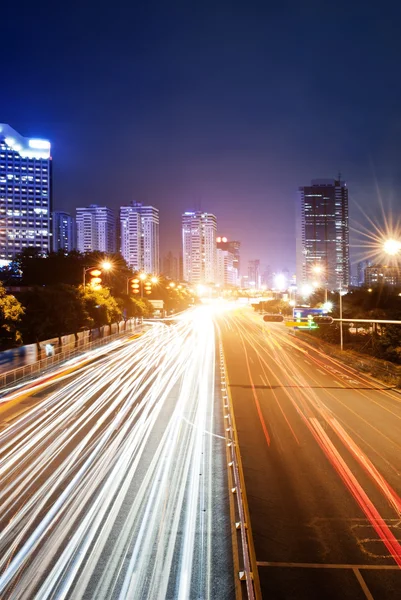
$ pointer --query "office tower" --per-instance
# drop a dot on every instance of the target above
(360, 269)
(266, 278)
(171, 267)
(323, 234)
(227, 261)
(25, 193)
(231, 246)
(382, 275)
(139, 231)
(63, 231)
(253, 274)
(199, 247)
(96, 229)
(226, 274)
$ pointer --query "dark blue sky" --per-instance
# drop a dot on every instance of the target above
(226, 106)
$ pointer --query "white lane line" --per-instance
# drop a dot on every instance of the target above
(322, 372)
(363, 585)
(338, 383)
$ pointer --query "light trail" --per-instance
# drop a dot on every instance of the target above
(297, 383)
(106, 483)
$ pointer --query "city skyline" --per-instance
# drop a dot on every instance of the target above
(207, 119)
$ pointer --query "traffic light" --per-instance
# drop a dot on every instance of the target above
(147, 286)
(322, 320)
(273, 318)
(95, 278)
(135, 286)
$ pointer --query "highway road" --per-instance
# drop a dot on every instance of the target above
(321, 452)
(113, 480)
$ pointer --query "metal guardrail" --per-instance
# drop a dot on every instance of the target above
(248, 573)
(28, 371)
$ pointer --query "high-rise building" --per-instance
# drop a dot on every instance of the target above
(226, 274)
(63, 231)
(139, 231)
(25, 193)
(232, 246)
(253, 274)
(227, 261)
(323, 234)
(199, 247)
(382, 275)
(171, 266)
(96, 229)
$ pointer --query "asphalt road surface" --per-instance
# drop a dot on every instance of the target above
(321, 452)
(113, 479)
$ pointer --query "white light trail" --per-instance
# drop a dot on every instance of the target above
(106, 482)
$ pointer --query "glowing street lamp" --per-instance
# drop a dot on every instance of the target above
(280, 281)
(306, 290)
(96, 272)
(317, 269)
(392, 247)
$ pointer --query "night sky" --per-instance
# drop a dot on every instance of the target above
(223, 106)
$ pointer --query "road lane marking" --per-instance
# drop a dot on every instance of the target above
(322, 372)
(363, 585)
(351, 482)
(249, 533)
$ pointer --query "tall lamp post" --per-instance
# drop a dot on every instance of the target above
(104, 266)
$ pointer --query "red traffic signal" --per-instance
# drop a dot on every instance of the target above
(323, 320)
(273, 318)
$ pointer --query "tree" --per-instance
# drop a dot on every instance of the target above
(11, 313)
(52, 311)
(101, 307)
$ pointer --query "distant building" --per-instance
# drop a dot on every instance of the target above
(360, 270)
(199, 247)
(96, 229)
(382, 275)
(226, 274)
(228, 260)
(253, 274)
(323, 233)
(139, 231)
(171, 267)
(25, 193)
(63, 231)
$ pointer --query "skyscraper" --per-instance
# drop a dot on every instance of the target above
(227, 261)
(171, 267)
(63, 231)
(232, 246)
(25, 193)
(199, 247)
(323, 234)
(139, 231)
(96, 229)
(253, 273)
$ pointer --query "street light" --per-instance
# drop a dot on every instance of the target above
(318, 270)
(392, 246)
(104, 266)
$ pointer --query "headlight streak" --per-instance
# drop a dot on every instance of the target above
(73, 474)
